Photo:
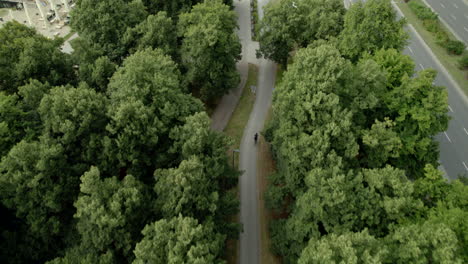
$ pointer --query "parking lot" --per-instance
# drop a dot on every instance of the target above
(48, 17)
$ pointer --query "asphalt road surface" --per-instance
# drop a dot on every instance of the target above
(250, 237)
(453, 142)
(455, 14)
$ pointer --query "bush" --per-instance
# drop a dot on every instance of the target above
(455, 47)
(463, 62)
(421, 11)
(432, 25)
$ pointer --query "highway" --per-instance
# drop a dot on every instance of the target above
(454, 14)
(453, 142)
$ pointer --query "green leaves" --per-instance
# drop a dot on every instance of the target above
(104, 23)
(292, 24)
(210, 49)
(179, 240)
(110, 212)
(25, 55)
(370, 27)
(345, 248)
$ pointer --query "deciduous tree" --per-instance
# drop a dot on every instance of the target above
(210, 48)
(179, 240)
(369, 27)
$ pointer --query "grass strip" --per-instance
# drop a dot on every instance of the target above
(450, 62)
(235, 129)
(254, 17)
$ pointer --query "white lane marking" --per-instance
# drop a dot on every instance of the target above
(455, 5)
(466, 29)
(412, 50)
(454, 18)
(465, 131)
(465, 165)
(451, 110)
(442, 5)
(447, 137)
(422, 67)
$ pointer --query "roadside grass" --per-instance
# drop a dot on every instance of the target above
(450, 62)
(235, 129)
(265, 167)
(255, 20)
(240, 116)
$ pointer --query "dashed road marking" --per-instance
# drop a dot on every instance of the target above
(454, 18)
(448, 137)
(466, 29)
(450, 108)
(409, 48)
(455, 5)
(465, 131)
(442, 5)
(422, 67)
(466, 168)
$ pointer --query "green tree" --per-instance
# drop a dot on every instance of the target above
(172, 7)
(210, 49)
(157, 31)
(203, 152)
(30, 96)
(352, 248)
(336, 202)
(97, 74)
(313, 128)
(105, 22)
(186, 190)
(423, 243)
(110, 212)
(179, 240)
(75, 117)
(11, 128)
(381, 142)
(290, 24)
(420, 112)
(80, 255)
(146, 101)
(24, 54)
(395, 64)
(40, 186)
(369, 27)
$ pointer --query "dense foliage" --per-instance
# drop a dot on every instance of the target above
(106, 157)
(352, 133)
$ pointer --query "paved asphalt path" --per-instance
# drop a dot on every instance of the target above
(454, 13)
(250, 237)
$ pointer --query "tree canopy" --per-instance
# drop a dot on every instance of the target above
(293, 24)
(210, 48)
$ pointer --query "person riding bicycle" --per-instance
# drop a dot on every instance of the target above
(256, 137)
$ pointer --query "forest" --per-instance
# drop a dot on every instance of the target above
(353, 140)
(107, 155)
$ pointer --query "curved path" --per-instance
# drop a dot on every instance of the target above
(249, 217)
(250, 237)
